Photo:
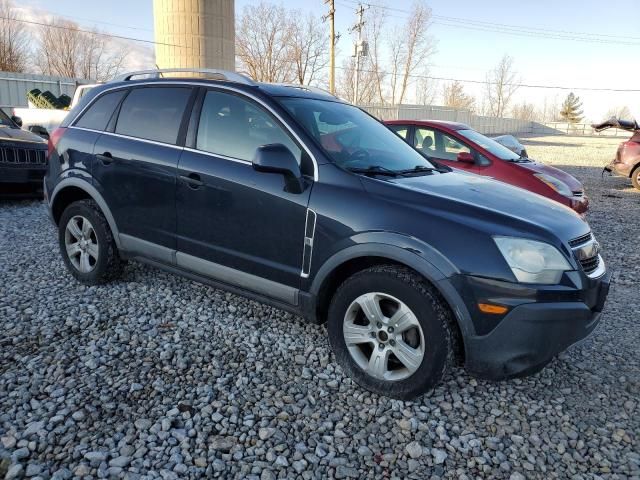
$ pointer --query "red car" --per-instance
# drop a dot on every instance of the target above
(627, 160)
(459, 146)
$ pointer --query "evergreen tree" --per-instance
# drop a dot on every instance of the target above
(571, 110)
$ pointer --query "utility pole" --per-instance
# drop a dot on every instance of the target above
(359, 50)
(332, 45)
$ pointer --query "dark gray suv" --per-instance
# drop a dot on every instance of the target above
(293, 197)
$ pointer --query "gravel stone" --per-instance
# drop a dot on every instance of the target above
(414, 450)
(15, 471)
(232, 388)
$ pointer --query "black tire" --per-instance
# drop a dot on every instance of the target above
(429, 309)
(635, 177)
(108, 265)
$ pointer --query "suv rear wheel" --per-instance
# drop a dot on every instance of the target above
(390, 331)
(87, 245)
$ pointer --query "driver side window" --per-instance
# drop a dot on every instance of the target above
(233, 127)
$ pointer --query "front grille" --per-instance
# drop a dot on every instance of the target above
(578, 193)
(580, 240)
(591, 264)
(22, 156)
(586, 251)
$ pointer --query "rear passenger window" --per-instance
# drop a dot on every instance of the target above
(99, 113)
(153, 113)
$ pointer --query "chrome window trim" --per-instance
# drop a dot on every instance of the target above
(217, 155)
(199, 84)
(128, 137)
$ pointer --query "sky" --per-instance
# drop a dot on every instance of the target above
(464, 53)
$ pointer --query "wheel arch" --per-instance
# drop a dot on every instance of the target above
(360, 257)
(73, 189)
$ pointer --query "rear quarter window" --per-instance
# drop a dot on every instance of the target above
(153, 113)
(97, 116)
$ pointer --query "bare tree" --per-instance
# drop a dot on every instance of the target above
(308, 47)
(455, 96)
(67, 51)
(373, 30)
(263, 34)
(500, 86)
(525, 111)
(367, 92)
(411, 46)
(550, 110)
(15, 41)
(622, 112)
(426, 91)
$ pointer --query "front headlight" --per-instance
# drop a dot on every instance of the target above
(532, 261)
(558, 185)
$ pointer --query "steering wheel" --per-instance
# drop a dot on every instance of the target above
(359, 155)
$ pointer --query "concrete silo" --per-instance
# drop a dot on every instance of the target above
(201, 33)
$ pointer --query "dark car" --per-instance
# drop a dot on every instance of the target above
(229, 182)
(23, 158)
(459, 146)
(627, 159)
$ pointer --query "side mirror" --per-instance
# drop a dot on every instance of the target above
(276, 158)
(465, 157)
(16, 120)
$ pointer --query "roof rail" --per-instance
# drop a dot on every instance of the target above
(306, 87)
(158, 73)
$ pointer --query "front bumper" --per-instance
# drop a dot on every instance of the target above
(619, 168)
(21, 180)
(535, 331)
(579, 204)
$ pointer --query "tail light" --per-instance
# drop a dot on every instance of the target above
(54, 138)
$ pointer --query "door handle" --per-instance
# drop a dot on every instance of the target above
(193, 180)
(106, 158)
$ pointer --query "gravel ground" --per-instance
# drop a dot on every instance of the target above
(156, 376)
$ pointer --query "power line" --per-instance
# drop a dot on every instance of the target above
(102, 34)
(69, 17)
(519, 30)
(484, 82)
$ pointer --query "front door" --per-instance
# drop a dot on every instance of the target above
(236, 224)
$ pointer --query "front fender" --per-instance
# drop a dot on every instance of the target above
(409, 251)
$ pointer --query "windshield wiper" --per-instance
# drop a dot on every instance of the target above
(420, 169)
(377, 170)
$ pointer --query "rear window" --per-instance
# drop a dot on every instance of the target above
(153, 113)
(99, 113)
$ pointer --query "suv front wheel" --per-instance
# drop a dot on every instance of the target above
(87, 245)
(391, 332)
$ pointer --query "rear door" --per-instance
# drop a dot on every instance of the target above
(236, 224)
(135, 165)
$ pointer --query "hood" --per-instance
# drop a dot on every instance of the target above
(19, 136)
(469, 193)
(572, 182)
(613, 122)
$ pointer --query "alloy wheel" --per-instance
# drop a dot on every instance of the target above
(383, 336)
(81, 243)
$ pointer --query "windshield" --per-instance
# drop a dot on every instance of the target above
(490, 145)
(352, 138)
(5, 121)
